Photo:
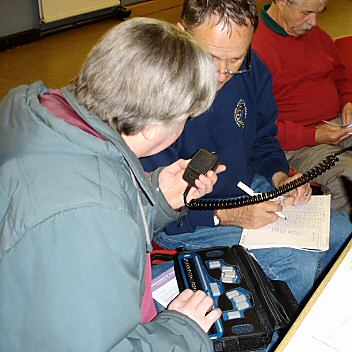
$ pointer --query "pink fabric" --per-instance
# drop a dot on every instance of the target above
(57, 105)
(149, 311)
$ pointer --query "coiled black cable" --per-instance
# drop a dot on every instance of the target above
(213, 204)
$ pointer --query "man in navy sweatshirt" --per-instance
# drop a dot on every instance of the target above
(240, 128)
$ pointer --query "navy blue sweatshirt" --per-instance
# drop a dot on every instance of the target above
(240, 128)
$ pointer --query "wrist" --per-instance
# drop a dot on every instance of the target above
(217, 219)
(228, 217)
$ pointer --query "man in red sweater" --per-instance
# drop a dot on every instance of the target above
(311, 90)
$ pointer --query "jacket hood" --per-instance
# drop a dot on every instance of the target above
(26, 127)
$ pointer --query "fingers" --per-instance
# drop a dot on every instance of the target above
(288, 201)
(302, 194)
(298, 197)
(179, 165)
(349, 129)
(307, 194)
(197, 306)
(202, 302)
(261, 214)
(185, 295)
(346, 115)
(189, 299)
(211, 318)
(220, 168)
(346, 134)
(204, 185)
(328, 134)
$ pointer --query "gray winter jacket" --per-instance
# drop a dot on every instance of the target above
(72, 243)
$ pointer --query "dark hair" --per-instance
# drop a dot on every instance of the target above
(195, 12)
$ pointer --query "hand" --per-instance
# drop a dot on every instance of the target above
(196, 306)
(300, 195)
(346, 114)
(173, 185)
(251, 216)
(331, 134)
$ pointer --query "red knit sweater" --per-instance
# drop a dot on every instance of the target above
(309, 81)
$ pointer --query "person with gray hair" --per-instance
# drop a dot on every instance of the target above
(312, 91)
(105, 83)
(240, 127)
(77, 211)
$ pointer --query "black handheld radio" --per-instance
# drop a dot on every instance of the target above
(203, 161)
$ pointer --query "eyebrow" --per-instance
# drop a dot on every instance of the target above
(309, 11)
(231, 58)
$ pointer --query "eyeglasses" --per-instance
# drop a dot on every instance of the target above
(233, 71)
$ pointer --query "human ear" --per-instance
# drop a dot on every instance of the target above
(149, 132)
(281, 3)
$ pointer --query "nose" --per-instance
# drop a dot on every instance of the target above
(312, 19)
(222, 76)
(221, 66)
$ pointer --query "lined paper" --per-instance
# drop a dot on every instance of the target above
(307, 227)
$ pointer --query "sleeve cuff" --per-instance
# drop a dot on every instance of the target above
(309, 136)
(202, 217)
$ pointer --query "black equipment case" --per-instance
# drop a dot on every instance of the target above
(253, 306)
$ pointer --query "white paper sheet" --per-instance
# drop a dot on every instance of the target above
(328, 325)
(307, 227)
(165, 288)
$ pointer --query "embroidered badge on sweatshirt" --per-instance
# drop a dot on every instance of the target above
(240, 114)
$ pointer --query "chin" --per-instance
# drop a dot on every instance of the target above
(219, 85)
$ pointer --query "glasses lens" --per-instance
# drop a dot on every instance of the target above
(246, 65)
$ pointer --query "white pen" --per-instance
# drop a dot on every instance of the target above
(347, 125)
(330, 123)
(251, 193)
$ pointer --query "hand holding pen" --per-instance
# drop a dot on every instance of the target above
(332, 133)
(251, 193)
(346, 114)
(346, 125)
(297, 196)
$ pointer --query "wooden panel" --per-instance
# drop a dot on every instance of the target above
(148, 8)
(53, 10)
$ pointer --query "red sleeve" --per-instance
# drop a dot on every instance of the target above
(343, 85)
(292, 136)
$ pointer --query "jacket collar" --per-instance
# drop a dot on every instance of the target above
(274, 26)
(115, 138)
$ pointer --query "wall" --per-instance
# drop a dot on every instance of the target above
(20, 23)
(18, 16)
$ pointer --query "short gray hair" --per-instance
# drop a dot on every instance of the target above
(146, 71)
